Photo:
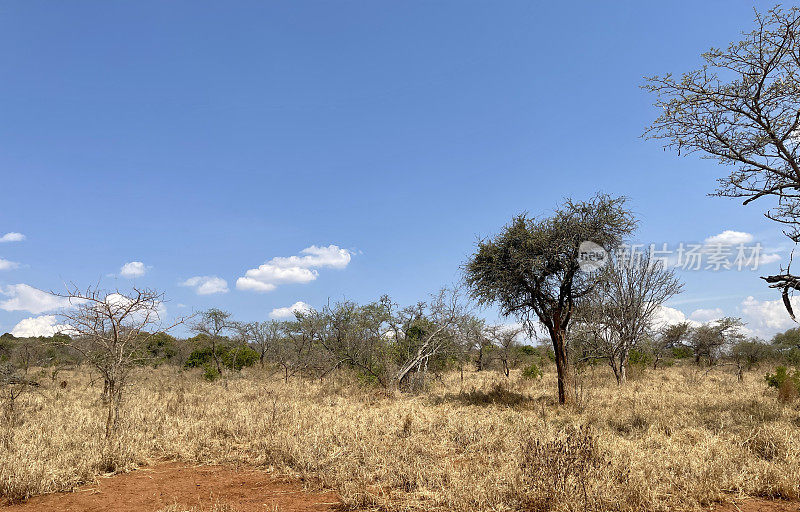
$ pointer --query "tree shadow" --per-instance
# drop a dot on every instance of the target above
(497, 395)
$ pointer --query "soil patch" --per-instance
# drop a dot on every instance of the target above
(759, 505)
(178, 487)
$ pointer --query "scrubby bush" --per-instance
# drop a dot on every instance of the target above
(210, 373)
(682, 352)
(239, 357)
(161, 348)
(639, 358)
(232, 358)
(788, 384)
(563, 470)
(532, 371)
(792, 356)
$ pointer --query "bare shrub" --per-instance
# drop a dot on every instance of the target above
(561, 470)
(111, 332)
(767, 444)
(787, 392)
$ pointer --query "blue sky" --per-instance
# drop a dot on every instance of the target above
(206, 138)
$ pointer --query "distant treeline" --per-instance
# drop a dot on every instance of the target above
(387, 346)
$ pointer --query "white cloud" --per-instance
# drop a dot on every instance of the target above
(768, 315)
(45, 325)
(294, 269)
(207, 285)
(735, 239)
(331, 256)
(288, 312)
(764, 259)
(665, 316)
(133, 269)
(12, 237)
(118, 302)
(730, 237)
(28, 298)
(253, 285)
(706, 315)
(266, 277)
(8, 265)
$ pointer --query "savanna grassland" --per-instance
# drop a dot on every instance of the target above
(679, 438)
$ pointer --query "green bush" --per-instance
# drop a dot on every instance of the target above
(198, 358)
(781, 375)
(788, 384)
(234, 358)
(210, 373)
(532, 371)
(682, 352)
(792, 356)
(639, 358)
(239, 357)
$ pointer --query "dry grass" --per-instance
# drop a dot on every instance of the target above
(667, 441)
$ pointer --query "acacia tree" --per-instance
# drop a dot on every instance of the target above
(620, 313)
(111, 331)
(531, 269)
(669, 338)
(742, 108)
(709, 340)
(214, 325)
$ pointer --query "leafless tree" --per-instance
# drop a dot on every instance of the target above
(620, 312)
(296, 351)
(742, 108)
(443, 315)
(505, 342)
(111, 332)
(265, 337)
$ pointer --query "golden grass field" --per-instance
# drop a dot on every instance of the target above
(671, 439)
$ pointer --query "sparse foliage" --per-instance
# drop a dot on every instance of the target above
(618, 315)
(112, 332)
(709, 340)
(531, 270)
(214, 326)
(742, 108)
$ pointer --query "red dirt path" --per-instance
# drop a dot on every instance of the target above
(229, 489)
(759, 505)
(200, 487)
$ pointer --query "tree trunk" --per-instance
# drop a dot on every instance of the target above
(623, 367)
(613, 365)
(216, 357)
(559, 337)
